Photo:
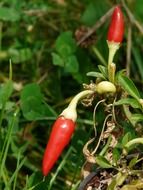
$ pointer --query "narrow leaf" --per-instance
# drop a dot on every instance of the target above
(103, 162)
(116, 155)
(103, 70)
(126, 138)
(133, 162)
(137, 118)
(96, 74)
(129, 86)
(129, 101)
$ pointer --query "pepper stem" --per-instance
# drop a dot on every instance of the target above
(113, 47)
(70, 111)
(132, 142)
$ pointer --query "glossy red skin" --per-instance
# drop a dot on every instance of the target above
(116, 28)
(59, 138)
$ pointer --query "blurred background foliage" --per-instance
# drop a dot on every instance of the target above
(40, 39)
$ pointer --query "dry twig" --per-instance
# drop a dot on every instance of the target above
(132, 18)
(98, 24)
(129, 45)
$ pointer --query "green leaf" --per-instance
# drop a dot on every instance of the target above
(103, 162)
(137, 118)
(5, 92)
(117, 180)
(9, 105)
(128, 85)
(9, 14)
(18, 56)
(35, 182)
(129, 101)
(137, 7)
(32, 89)
(15, 148)
(92, 14)
(85, 65)
(127, 137)
(96, 74)
(132, 143)
(116, 155)
(71, 64)
(65, 45)
(32, 103)
(103, 70)
(134, 185)
(57, 60)
(133, 162)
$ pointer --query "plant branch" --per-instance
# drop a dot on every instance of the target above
(98, 24)
(94, 151)
(132, 18)
(129, 45)
(94, 113)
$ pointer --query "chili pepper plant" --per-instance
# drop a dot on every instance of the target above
(115, 162)
(83, 129)
(114, 150)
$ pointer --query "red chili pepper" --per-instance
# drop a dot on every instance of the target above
(116, 28)
(62, 131)
(60, 136)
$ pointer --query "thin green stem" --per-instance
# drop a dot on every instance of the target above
(8, 140)
(1, 26)
(16, 172)
(18, 167)
(26, 183)
(1, 116)
(6, 91)
(112, 52)
(113, 47)
(99, 55)
(10, 70)
(5, 180)
(139, 160)
(33, 187)
(128, 114)
(130, 143)
(75, 186)
(111, 72)
(136, 172)
(134, 141)
(103, 151)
